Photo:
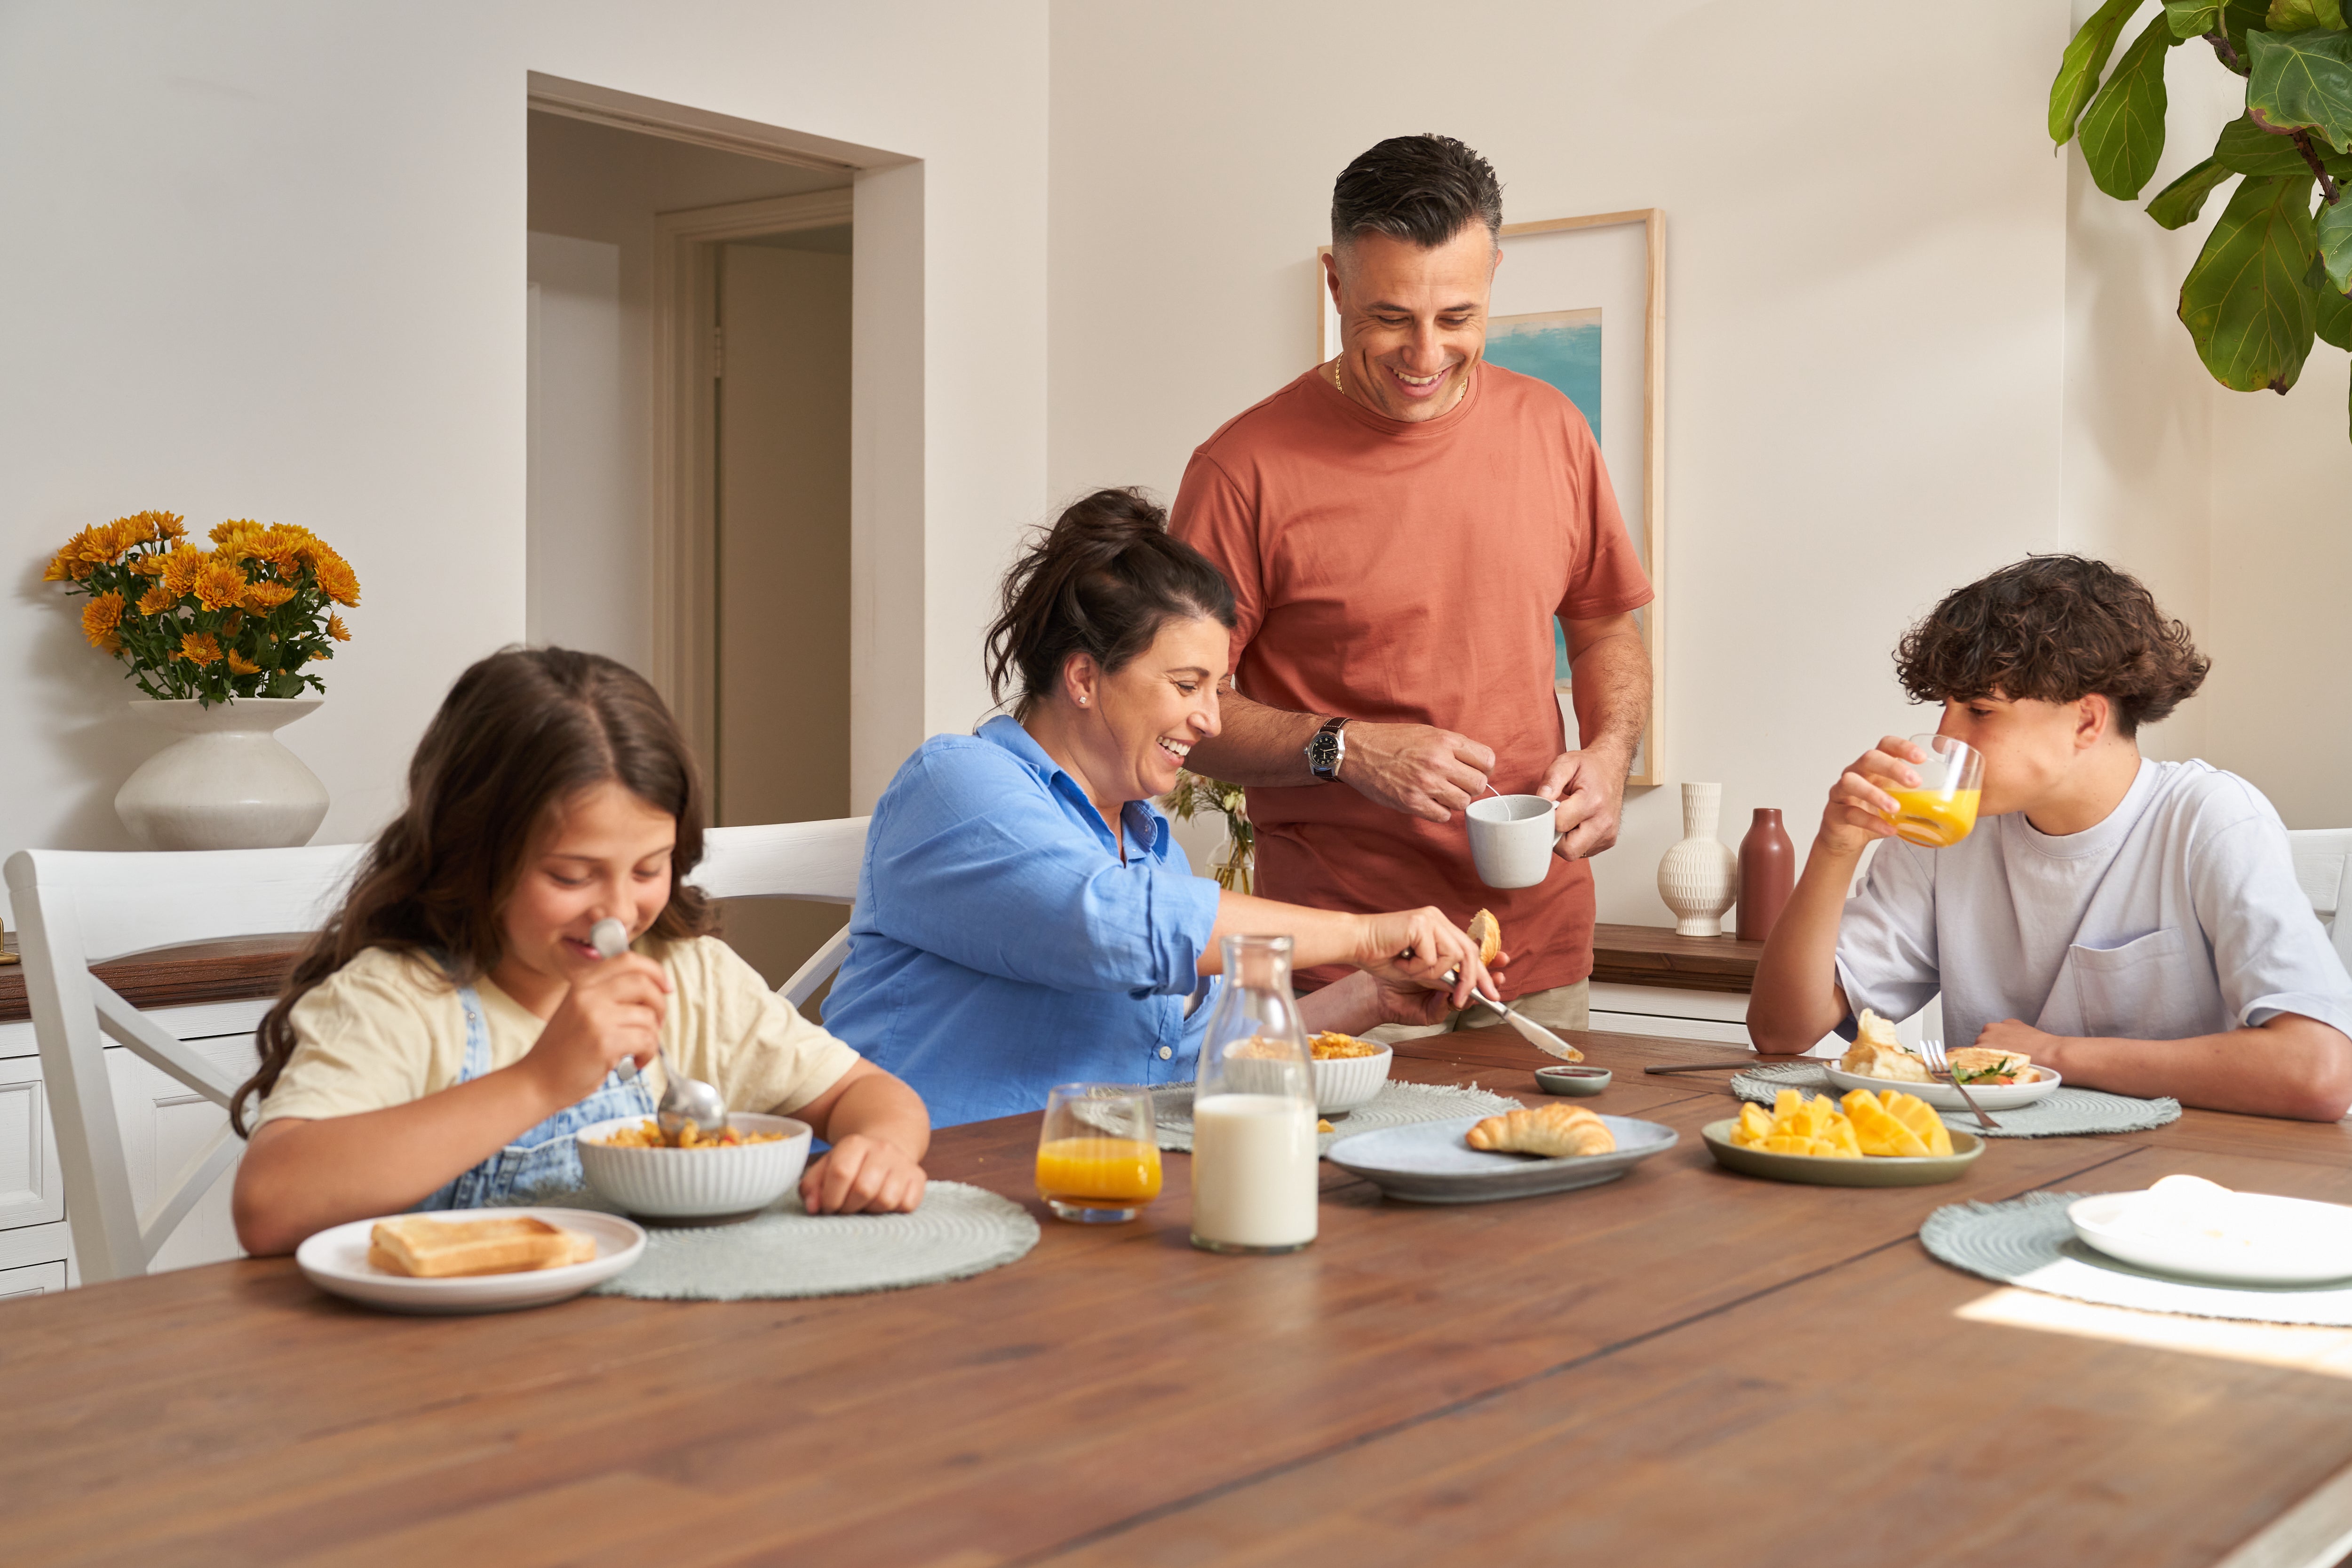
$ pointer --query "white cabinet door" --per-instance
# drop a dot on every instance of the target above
(165, 1126)
(30, 1190)
(38, 1279)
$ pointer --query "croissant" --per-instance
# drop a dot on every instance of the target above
(1551, 1131)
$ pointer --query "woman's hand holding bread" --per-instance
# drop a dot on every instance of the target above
(614, 1011)
(1418, 947)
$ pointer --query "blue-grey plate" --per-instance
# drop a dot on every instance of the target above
(1428, 1163)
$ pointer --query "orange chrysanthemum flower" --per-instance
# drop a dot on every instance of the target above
(151, 564)
(336, 630)
(199, 648)
(318, 654)
(99, 620)
(181, 567)
(336, 578)
(240, 664)
(168, 524)
(219, 585)
(264, 597)
(156, 600)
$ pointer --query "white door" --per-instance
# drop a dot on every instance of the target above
(782, 564)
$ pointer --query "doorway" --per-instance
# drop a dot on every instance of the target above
(692, 509)
(779, 441)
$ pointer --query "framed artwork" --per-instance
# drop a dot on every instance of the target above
(1580, 302)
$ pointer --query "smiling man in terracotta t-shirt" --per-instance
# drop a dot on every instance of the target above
(1401, 526)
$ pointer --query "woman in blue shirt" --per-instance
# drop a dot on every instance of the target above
(1024, 917)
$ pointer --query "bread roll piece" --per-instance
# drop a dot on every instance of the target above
(1488, 932)
(426, 1248)
(1876, 1053)
(1551, 1131)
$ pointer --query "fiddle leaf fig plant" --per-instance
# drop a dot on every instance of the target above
(2275, 276)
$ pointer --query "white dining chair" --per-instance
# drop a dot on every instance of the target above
(2323, 864)
(814, 861)
(75, 909)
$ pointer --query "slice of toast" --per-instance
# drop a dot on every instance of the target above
(1488, 932)
(426, 1248)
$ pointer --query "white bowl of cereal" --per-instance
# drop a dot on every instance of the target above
(1349, 1072)
(708, 1184)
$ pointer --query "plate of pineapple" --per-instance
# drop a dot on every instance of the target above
(1870, 1138)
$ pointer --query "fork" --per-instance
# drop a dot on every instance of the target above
(1932, 1053)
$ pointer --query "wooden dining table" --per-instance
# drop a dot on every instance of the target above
(1684, 1366)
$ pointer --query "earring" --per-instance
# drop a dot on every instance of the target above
(1082, 700)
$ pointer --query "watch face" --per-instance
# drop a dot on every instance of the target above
(1323, 752)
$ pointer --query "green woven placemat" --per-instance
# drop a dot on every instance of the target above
(786, 1251)
(2064, 1112)
(2029, 1242)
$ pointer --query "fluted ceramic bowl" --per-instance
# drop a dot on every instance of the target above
(697, 1186)
(1345, 1083)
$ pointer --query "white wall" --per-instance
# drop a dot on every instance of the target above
(1866, 296)
(268, 260)
(584, 550)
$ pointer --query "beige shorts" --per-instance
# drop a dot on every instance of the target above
(1562, 1008)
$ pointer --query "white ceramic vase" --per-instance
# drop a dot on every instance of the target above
(1699, 878)
(226, 784)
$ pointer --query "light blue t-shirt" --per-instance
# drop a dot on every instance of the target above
(2177, 916)
(999, 946)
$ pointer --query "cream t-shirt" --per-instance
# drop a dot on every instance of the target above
(388, 1028)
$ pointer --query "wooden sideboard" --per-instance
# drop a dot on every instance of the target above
(1646, 980)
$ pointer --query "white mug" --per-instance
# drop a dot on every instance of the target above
(1511, 840)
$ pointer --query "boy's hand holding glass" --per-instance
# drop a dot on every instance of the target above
(1924, 790)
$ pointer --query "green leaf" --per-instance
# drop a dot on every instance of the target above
(2244, 302)
(2296, 16)
(2335, 229)
(2245, 148)
(2178, 203)
(2303, 79)
(2240, 18)
(2335, 315)
(2079, 67)
(2193, 19)
(2122, 135)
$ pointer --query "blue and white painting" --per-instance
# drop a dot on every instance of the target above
(1563, 348)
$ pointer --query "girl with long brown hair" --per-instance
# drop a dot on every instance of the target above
(451, 1029)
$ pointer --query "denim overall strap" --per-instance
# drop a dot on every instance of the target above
(547, 1155)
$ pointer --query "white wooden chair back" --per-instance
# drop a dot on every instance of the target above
(75, 909)
(815, 861)
(2323, 864)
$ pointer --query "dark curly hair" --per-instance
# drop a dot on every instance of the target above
(1103, 580)
(2053, 628)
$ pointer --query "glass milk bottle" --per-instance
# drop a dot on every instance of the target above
(1253, 1176)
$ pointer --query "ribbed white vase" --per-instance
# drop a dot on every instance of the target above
(1699, 878)
(226, 784)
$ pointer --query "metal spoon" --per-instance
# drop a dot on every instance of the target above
(684, 1099)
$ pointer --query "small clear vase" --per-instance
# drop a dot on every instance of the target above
(1253, 1157)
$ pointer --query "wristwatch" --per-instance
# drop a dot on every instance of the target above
(1328, 750)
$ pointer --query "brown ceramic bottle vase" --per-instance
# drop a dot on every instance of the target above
(1767, 874)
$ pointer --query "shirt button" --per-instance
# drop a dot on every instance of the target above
(1165, 1053)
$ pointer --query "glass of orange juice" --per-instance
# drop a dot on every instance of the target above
(1098, 1152)
(1943, 807)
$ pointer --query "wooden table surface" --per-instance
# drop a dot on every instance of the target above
(1683, 1366)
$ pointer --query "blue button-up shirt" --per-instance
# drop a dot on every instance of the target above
(999, 946)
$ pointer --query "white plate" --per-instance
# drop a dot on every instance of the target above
(1944, 1097)
(2279, 1241)
(1428, 1163)
(336, 1261)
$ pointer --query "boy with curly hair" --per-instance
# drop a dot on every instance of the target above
(2133, 925)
